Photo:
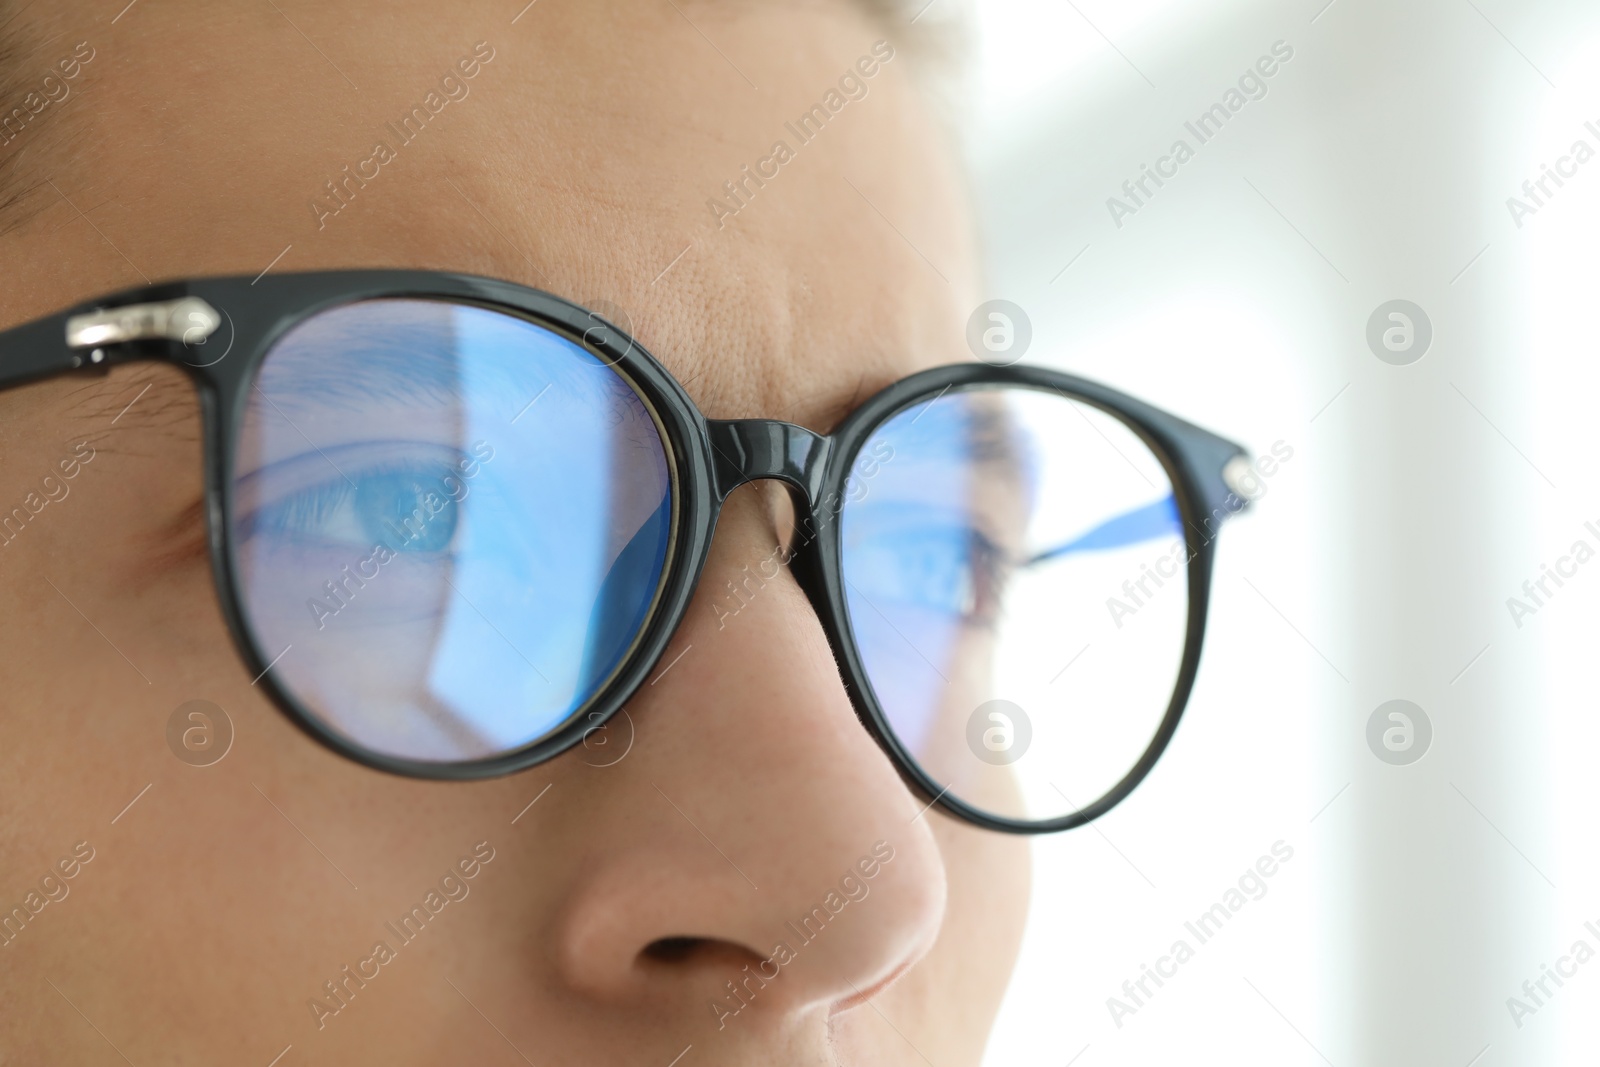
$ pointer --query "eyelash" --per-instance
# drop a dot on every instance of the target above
(323, 500)
(982, 569)
(301, 513)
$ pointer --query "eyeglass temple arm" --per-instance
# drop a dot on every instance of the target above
(100, 336)
(1228, 496)
(36, 350)
(1147, 523)
(1217, 470)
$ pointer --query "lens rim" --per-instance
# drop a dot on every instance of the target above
(300, 297)
(1186, 453)
(707, 459)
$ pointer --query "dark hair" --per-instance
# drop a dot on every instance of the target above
(18, 43)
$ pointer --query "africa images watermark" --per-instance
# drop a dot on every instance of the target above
(341, 590)
(53, 88)
(1250, 486)
(52, 889)
(1537, 590)
(1252, 85)
(55, 491)
(453, 886)
(1566, 968)
(742, 592)
(853, 887)
(852, 85)
(1252, 885)
(1537, 192)
(453, 86)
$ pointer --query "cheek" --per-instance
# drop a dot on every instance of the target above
(107, 632)
(107, 609)
(991, 876)
(954, 992)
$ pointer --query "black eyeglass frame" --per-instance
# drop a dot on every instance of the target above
(708, 460)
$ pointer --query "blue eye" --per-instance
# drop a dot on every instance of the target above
(409, 512)
(410, 507)
(951, 570)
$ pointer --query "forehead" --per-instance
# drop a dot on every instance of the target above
(782, 228)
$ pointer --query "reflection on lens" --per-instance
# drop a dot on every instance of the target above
(450, 525)
(1016, 580)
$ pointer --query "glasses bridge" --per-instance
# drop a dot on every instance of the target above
(749, 450)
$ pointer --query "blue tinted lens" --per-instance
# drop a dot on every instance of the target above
(450, 525)
(1015, 577)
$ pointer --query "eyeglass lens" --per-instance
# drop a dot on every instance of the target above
(1015, 576)
(450, 525)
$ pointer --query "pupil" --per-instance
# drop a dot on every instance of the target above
(408, 513)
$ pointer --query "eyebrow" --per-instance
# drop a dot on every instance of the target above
(12, 192)
(421, 351)
(407, 351)
(352, 352)
(22, 46)
(823, 411)
(972, 432)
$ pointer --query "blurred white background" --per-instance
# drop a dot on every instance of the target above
(1379, 563)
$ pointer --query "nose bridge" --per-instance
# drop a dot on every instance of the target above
(748, 450)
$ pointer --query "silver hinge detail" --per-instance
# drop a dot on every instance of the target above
(1234, 475)
(188, 319)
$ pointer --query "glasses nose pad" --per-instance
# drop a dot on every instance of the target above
(624, 600)
(803, 556)
(809, 562)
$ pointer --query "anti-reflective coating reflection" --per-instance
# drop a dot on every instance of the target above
(450, 525)
(1016, 579)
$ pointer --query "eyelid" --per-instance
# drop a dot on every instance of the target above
(316, 469)
(916, 517)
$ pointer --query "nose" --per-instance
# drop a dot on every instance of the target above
(761, 853)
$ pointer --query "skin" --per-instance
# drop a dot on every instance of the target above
(220, 902)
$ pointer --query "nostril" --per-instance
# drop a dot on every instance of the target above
(672, 949)
(710, 953)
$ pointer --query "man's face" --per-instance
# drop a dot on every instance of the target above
(235, 910)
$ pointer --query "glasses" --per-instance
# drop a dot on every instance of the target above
(455, 522)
